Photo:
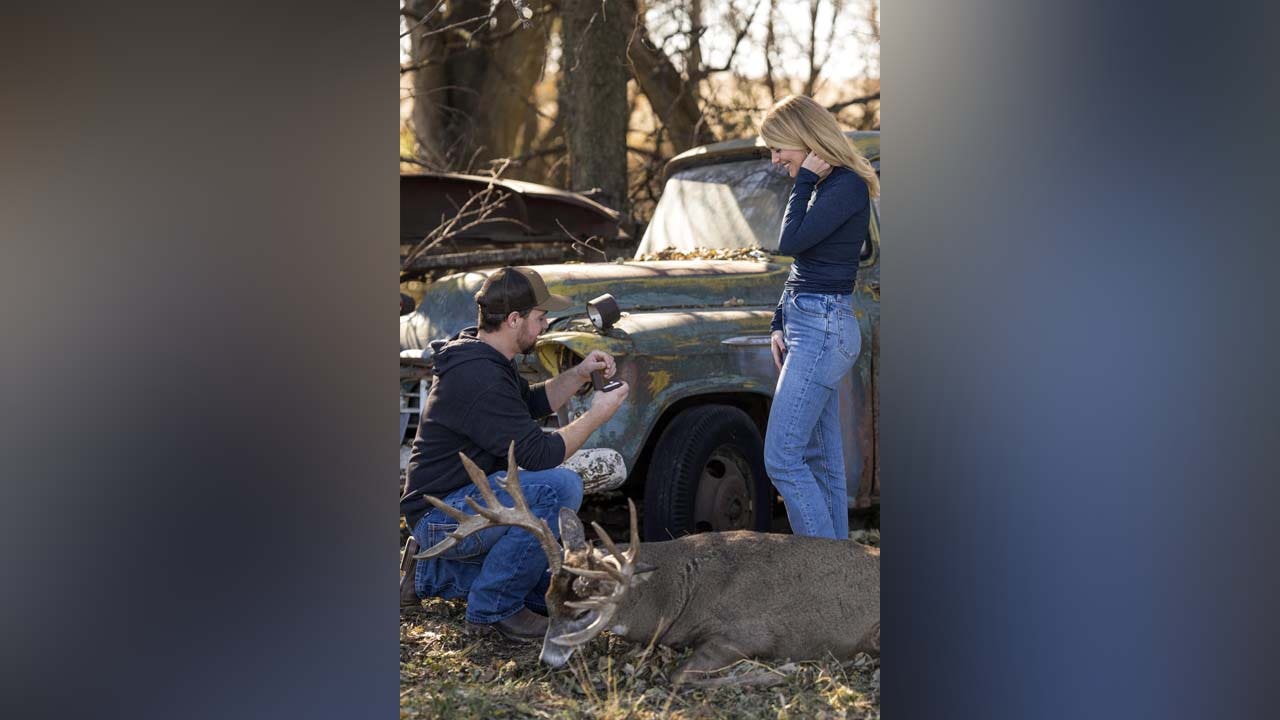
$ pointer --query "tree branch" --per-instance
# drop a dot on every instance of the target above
(420, 20)
(532, 154)
(742, 33)
(414, 161)
(856, 101)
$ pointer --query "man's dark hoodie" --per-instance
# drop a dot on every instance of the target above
(477, 404)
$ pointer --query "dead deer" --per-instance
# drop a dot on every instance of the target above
(730, 595)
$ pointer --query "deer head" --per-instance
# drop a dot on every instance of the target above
(591, 585)
(587, 584)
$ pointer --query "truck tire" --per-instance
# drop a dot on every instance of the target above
(707, 473)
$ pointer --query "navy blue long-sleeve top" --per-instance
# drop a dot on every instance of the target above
(823, 230)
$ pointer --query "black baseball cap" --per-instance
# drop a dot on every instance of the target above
(516, 289)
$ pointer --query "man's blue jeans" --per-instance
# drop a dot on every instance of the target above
(803, 447)
(499, 569)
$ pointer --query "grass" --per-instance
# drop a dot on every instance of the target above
(446, 672)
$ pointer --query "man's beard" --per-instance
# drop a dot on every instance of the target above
(526, 349)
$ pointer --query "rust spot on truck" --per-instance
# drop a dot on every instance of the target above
(658, 381)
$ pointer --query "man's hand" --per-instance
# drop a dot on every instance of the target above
(595, 360)
(563, 386)
(778, 346)
(605, 404)
(815, 164)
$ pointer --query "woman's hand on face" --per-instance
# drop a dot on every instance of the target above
(816, 165)
(778, 346)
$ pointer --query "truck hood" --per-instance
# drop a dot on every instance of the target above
(448, 305)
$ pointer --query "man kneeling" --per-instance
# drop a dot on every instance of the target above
(478, 405)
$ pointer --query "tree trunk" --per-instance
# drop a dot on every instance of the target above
(594, 88)
(770, 44)
(812, 82)
(694, 66)
(473, 100)
(505, 119)
(466, 68)
(427, 53)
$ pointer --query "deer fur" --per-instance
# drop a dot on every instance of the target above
(730, 595)
(734, 595)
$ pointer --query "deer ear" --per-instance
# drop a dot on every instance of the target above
(572, 536)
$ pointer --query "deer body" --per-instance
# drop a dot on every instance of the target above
(770, 595)
(730, 596)
(742, 594)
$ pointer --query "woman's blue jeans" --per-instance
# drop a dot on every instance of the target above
(803, 447)
(499, 569)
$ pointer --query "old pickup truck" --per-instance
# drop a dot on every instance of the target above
(692, 342)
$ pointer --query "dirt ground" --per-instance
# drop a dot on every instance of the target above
(446, 672)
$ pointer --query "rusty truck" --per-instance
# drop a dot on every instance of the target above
(692, 342)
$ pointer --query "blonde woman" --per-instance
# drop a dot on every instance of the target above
(815, 337)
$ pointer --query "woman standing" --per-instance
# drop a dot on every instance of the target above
(815, 337)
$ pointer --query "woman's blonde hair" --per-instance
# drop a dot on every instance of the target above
(797, 122)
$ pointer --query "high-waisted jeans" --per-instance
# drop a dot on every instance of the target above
(803, 446)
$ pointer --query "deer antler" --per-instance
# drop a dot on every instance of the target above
(494, 513)
(604, 606)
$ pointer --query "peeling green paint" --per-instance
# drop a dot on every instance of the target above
(447, 305)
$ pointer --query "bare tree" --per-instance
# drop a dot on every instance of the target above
(812, 80)
(427, 61)
(673, 97)
(866, 103)
(770, 49)
(474, 64)
(482, 92)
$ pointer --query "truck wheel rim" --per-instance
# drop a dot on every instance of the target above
(725, 499)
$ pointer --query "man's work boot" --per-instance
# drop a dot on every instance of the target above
(409, 599)
(524, 626)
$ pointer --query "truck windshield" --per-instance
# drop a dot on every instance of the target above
(728, 206)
